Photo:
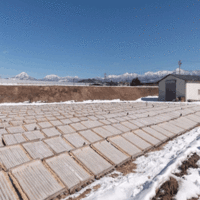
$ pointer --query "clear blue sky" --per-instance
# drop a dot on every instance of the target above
(88, 38)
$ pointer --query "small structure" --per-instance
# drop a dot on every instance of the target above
(181, 87)
(123, 83)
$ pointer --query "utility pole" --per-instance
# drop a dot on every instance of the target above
(104, 77)
(179, 63)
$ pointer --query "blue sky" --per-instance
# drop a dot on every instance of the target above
(88, 38)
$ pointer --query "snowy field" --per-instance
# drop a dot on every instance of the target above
(40, 83)
(26, 103)
(151, 99)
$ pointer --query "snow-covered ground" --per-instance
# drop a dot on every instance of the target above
(152, 171)
(38, 103)
(150, 99)
(40, 83)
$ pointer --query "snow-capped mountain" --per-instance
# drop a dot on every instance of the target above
(51, 77)
(146, 77)
(70, 79)
(23, 76)
(128, 77)
(54, 77)
(124, 77)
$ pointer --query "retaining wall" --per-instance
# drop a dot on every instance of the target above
(77, 93)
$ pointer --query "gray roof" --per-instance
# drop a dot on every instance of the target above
(186, 78)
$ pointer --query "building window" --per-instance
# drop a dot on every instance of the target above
(198, 92)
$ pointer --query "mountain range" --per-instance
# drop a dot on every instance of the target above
(52, 77)
(146, 77)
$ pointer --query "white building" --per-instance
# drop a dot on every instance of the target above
(175, 86)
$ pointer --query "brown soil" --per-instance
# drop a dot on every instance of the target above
(114, 175)
(167, 190)
(84, 194)
(77, 93)
(81, 196)
(194, 198)
(190, 163)
(127, 168)
(156, 148)
(96, 187)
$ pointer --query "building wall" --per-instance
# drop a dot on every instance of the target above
(192, 91)
(180, 87)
